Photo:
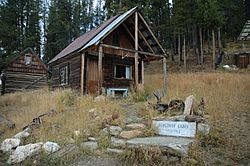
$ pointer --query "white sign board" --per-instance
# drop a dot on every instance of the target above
(177, 129)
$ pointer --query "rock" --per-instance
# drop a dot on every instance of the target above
(130, 134)
(89, 145)
(171, 118)
(177, 146)
(22, 134)
(105, 131)
(203, 128)
(115, 130)
(9, 144)
(92, 139)
(194, 118)
(117, 142)
(68, 150)
(100, 98)
(188, 105)
(116, 151)
(50, 147)
(22, 152)
(136, 126)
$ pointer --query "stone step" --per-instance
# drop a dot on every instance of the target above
(175, 145)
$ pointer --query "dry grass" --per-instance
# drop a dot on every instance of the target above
(226, 96)
(71, 114)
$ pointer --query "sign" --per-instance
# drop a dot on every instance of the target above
(176, 128)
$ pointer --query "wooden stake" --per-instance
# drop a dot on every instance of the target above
(201, 45)
(136, 48)
(165, 73)
(82, 73)
(142, 73)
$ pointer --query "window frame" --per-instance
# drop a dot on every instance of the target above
(65, 79)
(26, 57)
(127, 69)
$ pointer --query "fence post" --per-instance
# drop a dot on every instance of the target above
(3, 78)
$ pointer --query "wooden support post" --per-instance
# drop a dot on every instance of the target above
(184, 53)
(100, 69)
(136, 48)
(142, 73)
(82, 72)
(165, 73)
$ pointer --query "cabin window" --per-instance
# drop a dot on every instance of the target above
(64, 75)
(116, 39)
(28, 59)
(121, 71)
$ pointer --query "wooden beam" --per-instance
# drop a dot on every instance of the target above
(130, 50)
(152, 34)
(136, 53)
(146, 42)
(184, 53)
(126, 28)
(164, 73)
(82, 72)
(100, 69)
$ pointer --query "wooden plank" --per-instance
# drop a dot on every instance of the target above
(136, 48)
(82, 72)
(100, 69)
(184, 53)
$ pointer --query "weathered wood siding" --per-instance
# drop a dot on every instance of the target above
(109, 81)
(20, 76)
(74, 65)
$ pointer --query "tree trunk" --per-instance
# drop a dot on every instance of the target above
(219, 39)
(179, 48)
(201, 46)
(213, 38)
(184, 53)
(208, 42)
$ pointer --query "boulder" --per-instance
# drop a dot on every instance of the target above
(23, 134)
(89, 145)
(92, 139)
(5, 125)
(136, 126)
(203, 128)
(130, 134)
(115, 130)
(9, 144)
(50, 147)
(22, 152)
(68, 150)
(117, 142)
(189, 105)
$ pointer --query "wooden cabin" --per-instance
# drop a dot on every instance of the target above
(109, 58)
(26, 71)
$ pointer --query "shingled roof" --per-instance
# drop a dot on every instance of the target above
(94, 36)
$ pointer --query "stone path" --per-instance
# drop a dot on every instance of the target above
(131, 112)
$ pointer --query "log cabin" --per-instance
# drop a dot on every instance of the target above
(26, 71)
(110, 58)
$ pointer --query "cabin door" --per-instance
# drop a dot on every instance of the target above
(92, 76)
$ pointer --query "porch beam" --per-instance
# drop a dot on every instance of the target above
(130, 50)
(82, 72)
(100, 55)
(142, 73)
